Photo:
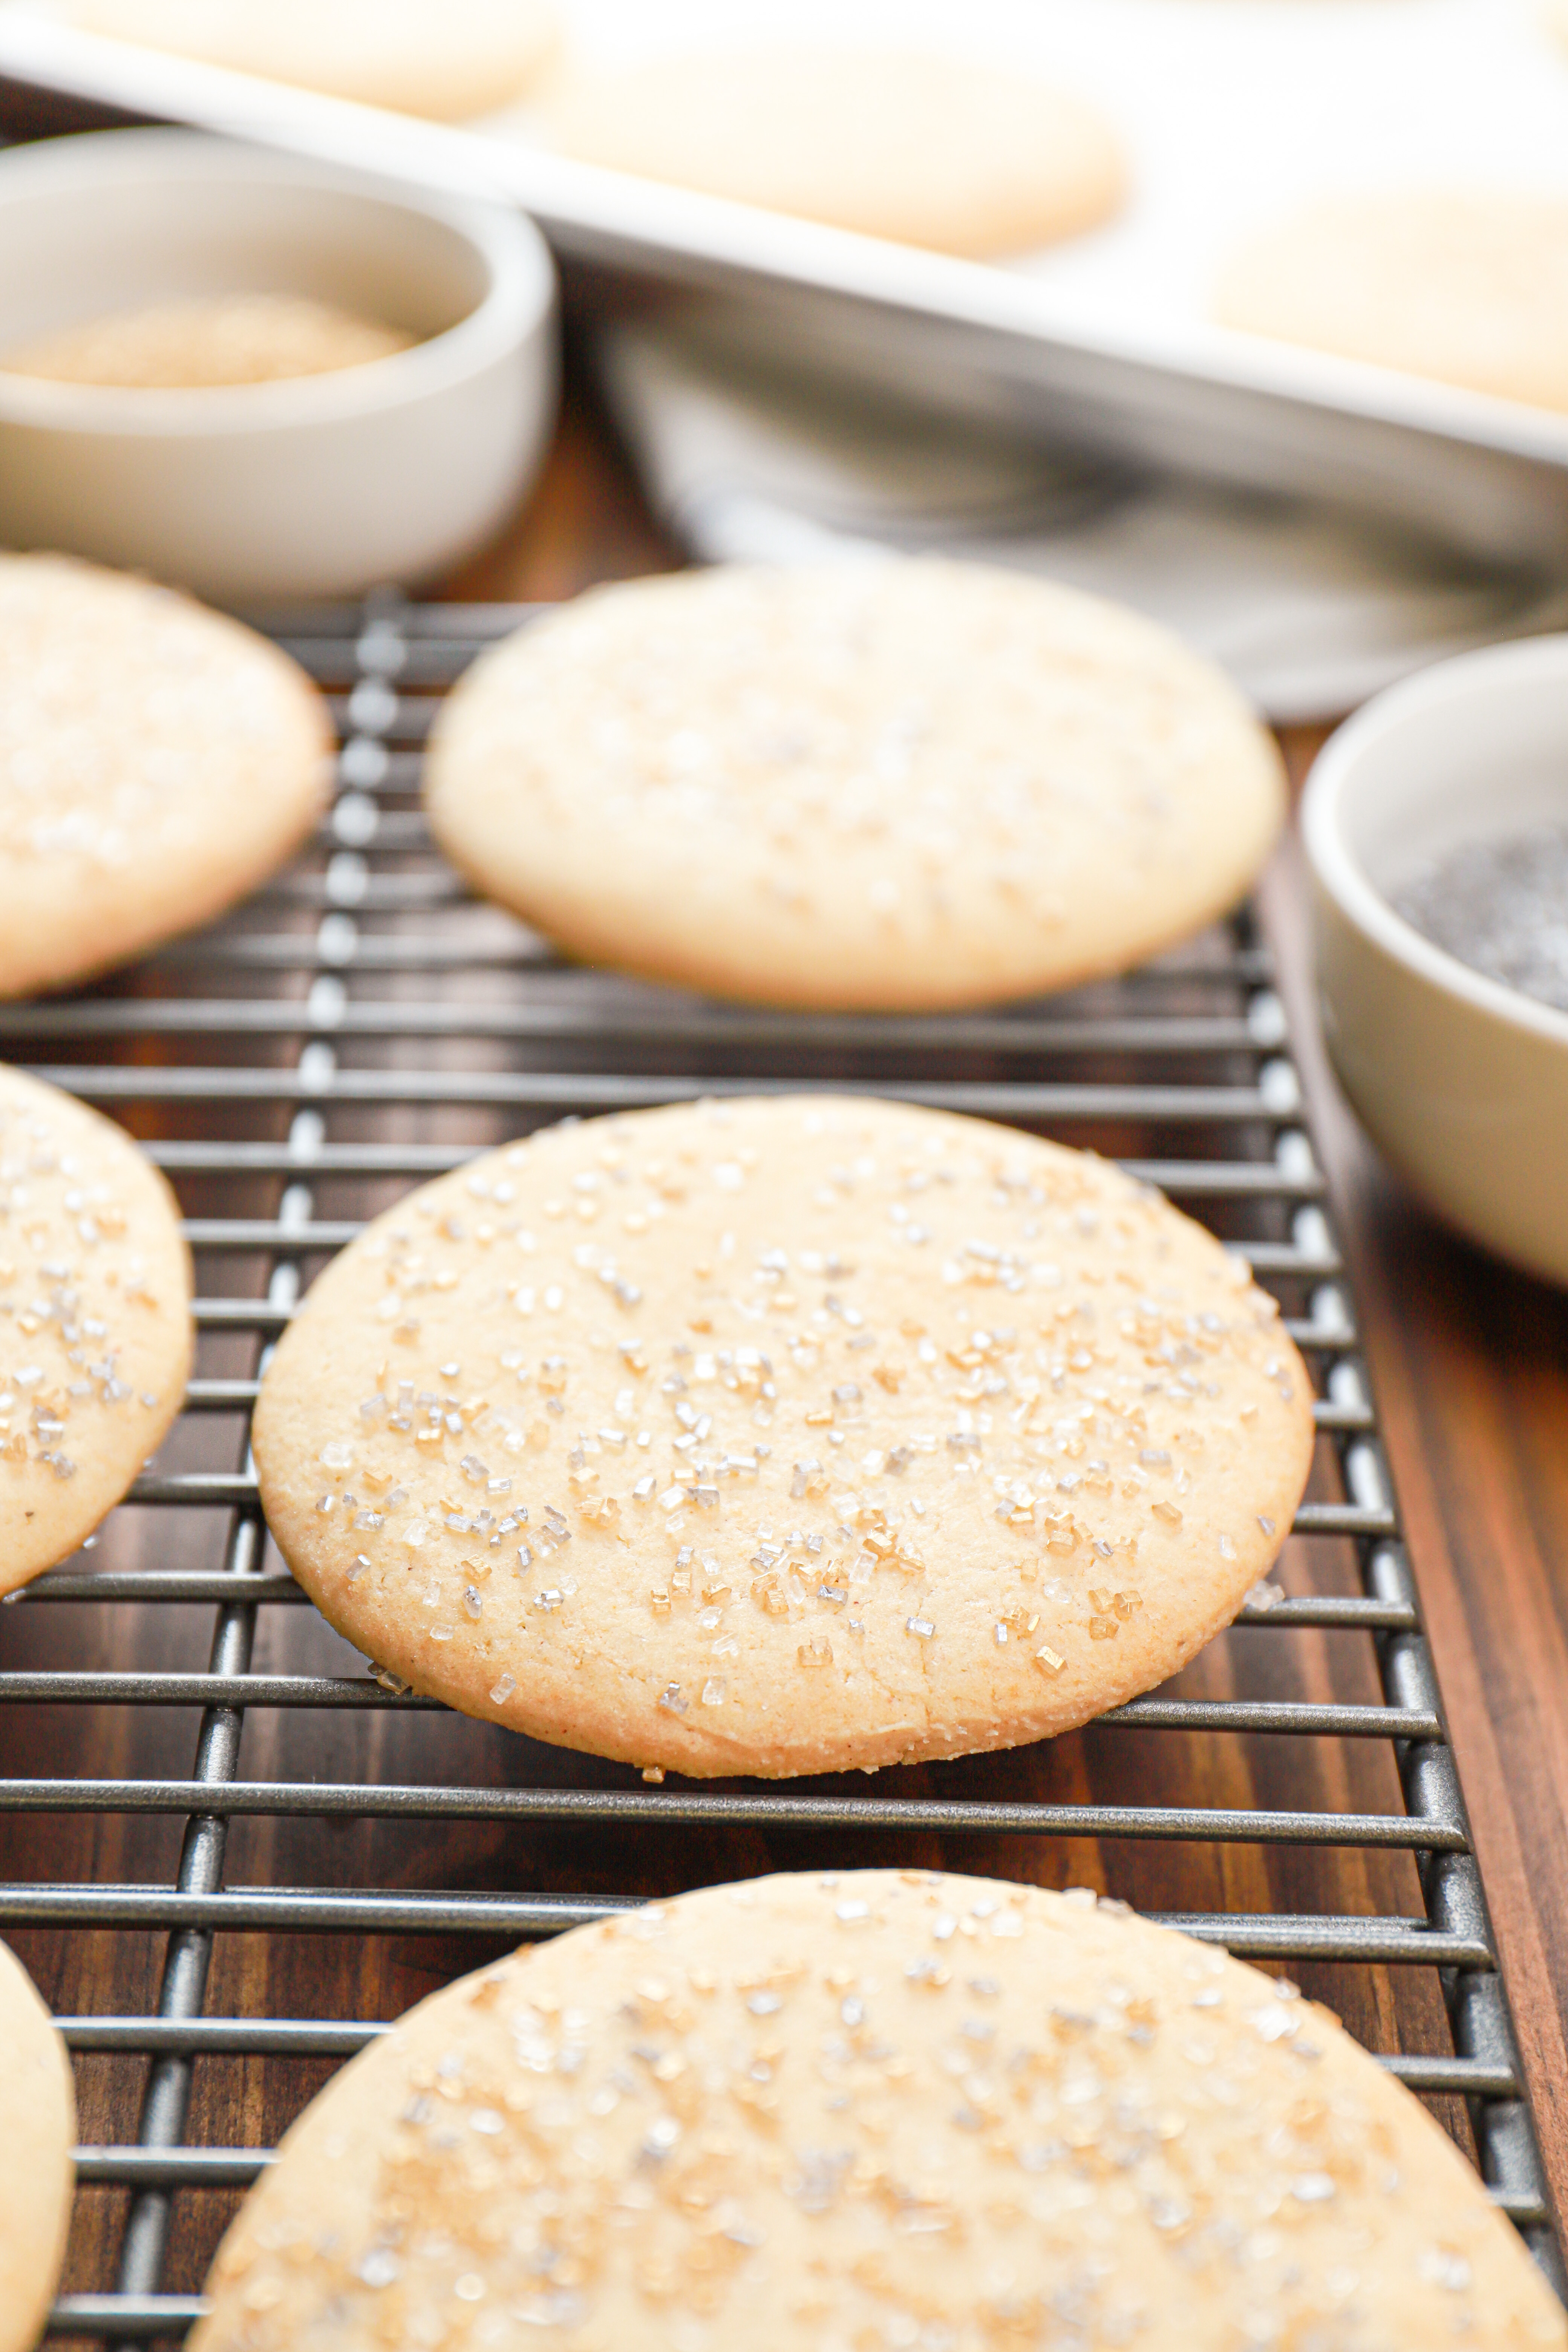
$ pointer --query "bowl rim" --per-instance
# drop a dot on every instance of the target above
(1483, 674)
(517, 304)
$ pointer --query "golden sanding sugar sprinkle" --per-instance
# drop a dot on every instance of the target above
(192, 345)
(1500, 907)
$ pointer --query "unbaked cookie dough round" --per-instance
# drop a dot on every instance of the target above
(872, 2109)
(780, 1436)
(930, 150)
(901, 785)
(95, 1339)
(1469, 287)
(157, 762)
(443, 58)
(37, 2133)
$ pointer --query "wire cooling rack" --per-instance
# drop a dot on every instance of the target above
(363, 1024)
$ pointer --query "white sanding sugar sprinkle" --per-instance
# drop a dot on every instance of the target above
(1500, 907)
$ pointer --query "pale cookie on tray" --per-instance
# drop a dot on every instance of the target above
(95, 1337)
(780, 1436)
(37, 2133)
(909, 784)
(223, 339)
(1467, 286)
(927, 149)
(444, 59)
(875, 2109)
(157, 762)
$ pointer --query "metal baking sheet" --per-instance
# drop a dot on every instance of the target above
(1233, 109)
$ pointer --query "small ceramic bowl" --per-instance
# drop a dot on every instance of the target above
(320, 486)
(1461, 1082)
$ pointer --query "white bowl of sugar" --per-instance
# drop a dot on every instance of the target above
(169, 246)
(1437, 828)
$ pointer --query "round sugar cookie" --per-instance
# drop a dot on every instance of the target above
(95, 1339)
(783, 1435)
(443, 58)
(901, 785)
(874, 2109)
(926, 150)
(1467, 286)
(37, 2133)
(157, 762)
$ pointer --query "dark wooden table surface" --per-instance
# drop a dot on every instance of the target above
(1469, 1361)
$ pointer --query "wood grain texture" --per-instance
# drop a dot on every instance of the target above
(1486, 1493)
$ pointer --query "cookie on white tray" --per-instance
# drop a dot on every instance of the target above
(779, 1436)
(1469, 287)
(96, 1338)
(907, 784)
(946, 152)
(157, 762)
(880, 2109)
(447, 59)
(37, 2131)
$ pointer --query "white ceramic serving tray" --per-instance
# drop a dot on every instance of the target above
(1233, 110)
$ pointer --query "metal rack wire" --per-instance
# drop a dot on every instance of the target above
(363, 1024)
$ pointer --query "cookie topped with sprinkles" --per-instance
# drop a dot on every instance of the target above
(157, 762)
(95, 1320)
(783, 1435)
(877, 2112)
(907, 784)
